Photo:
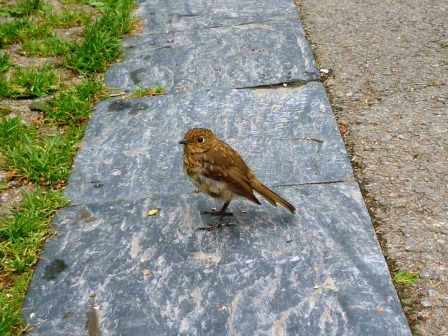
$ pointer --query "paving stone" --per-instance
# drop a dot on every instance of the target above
(174, 15)
(287, 135)
(113, 269)
(247, 55)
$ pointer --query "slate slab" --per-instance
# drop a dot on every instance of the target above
(241, 56)
(287, 135)
(114, 270)
(162, 16)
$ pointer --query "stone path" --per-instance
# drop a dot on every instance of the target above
(114, 270)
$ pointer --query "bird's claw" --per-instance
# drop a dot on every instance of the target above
(214, 227)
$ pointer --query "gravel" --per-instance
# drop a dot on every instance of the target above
(388, 82)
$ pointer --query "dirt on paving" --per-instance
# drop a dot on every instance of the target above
(388, 83)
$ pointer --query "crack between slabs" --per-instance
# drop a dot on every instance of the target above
(290, 85)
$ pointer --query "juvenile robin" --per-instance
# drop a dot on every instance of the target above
(219, 171)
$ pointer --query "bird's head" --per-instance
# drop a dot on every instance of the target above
(198, 140)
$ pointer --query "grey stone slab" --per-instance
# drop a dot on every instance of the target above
(116, 270)
(228, 57)
(174, 15)
(287, 135)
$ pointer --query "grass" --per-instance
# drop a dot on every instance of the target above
(5, 62)
(31, 82)
(48, 47)
(21, 238)
(39, 155)
(98, 51)
(45, 161)
(22, 8)
(21, 30)
(68, 17)
(101, 45)
(147, 92)
(75, 105)
(405, 278)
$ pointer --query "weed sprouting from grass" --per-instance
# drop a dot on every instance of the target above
(406, 278)
(147, 92)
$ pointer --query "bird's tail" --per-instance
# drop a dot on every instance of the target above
(270, 196)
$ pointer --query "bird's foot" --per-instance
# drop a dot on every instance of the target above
(213, 227)
(217, 213)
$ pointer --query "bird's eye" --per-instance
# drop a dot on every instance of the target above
(200, 139)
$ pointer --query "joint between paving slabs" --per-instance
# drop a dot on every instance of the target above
(349, 178)
(292, 84)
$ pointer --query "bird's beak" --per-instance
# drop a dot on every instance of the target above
(183, 142)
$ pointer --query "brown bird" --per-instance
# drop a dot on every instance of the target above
(219, 171)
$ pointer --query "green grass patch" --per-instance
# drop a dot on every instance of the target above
(46, 161)
(12, 131)
(147, 92)
(48, 47)
(68, 17)
(78, 2)
(101, 46)
(42, 156)
(406, 278)
(21, 238)
(21, 30)
(12, 31)
(22, 8)
(98, 51)
(74, 106)
(4, 111)
(31, 82)
(4, 87)
(117, 18)
(5, 62)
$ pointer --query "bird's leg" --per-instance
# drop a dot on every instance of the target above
(221, 213)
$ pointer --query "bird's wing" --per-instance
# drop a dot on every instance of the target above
(225, 165)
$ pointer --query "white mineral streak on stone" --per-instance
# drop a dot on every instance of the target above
(135, 247)
(310, 304)
(303, 45)
(136, 152)
(352, 193)
(330, 283)
(115, 172)
(209, 257)
(232, 321)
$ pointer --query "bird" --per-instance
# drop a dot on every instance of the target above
(219, 171)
